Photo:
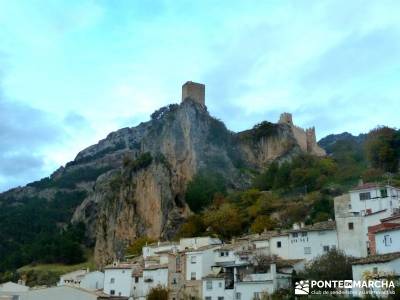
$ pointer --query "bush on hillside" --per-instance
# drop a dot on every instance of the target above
(202, 189)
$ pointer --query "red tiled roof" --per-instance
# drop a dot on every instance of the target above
(393, 226)
(380, 258)
(365, 186)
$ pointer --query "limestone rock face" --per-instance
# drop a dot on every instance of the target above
(135, 179)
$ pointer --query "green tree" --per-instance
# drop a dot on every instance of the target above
(382, 148)
(135, 248)
(194, 226)
(225, 220)
(334, 265)
(202, 188)
(261, 223)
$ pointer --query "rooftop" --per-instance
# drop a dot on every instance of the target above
(389, 227)
(156, 267)
(380, 258)
(371, 185)
(327, 225)
(119, 266)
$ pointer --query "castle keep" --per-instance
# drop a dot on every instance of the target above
(194, 91)
(305, 138)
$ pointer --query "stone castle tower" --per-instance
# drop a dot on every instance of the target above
(305, 138)
(286, 118)
(194, 91)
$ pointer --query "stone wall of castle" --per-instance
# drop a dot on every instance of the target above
(305, 138)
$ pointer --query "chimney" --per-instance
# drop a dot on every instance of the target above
(360, 182)
(296, 226)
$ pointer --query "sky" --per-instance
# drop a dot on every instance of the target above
(73, 71)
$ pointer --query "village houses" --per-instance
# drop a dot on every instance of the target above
(366, 226)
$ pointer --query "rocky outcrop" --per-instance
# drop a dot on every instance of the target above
(135, 179)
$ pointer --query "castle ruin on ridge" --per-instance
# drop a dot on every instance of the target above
(194, 91)
(305, 138)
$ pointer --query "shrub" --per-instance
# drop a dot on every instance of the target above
(158, 293)
(202, 188)
(135, 248)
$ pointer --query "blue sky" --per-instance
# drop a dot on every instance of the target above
(72, 71)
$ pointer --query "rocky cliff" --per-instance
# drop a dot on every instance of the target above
(135, 179)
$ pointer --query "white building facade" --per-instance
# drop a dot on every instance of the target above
(118, 279)
(387, 240)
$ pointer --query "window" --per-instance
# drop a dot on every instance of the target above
(375, 270)
(112, 292)
(178, 263)
(238, 296)
(136, 279)
(325, 248)
(387, 240)
(295, 234)
(193, 276)
(193, 259)
(220, 298)
(220, 284)
(112, 280)
(278, 244)
(209, 285)
(119, 294)
(350, 206)
(222, 253)
(174, 281)
(384, 193)
(208, 298)
(365, 196)
(304, 234)
(307, 250)
(351, 226)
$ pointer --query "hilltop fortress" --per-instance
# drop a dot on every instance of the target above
(305, 138)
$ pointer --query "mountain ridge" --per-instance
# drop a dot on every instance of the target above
(135, 179)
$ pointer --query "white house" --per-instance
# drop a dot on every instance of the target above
(214, 288)
(248, 285)
(137, 291)
(155, 275)
(13, 287)
(198, 263)
(363, 207)
(304, 242)
(197, 242)
(376, 267)
(388, 240)
(10, 290)
(371, 198)
(151, 250)
(84, 279)
(118, 279)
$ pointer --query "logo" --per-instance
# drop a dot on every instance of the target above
(302, 287)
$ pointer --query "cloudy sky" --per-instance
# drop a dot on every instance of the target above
(72, 71)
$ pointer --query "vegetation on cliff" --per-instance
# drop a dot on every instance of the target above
(300, 190)
(146, 175)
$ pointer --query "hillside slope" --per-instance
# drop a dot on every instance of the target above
(133, 182)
